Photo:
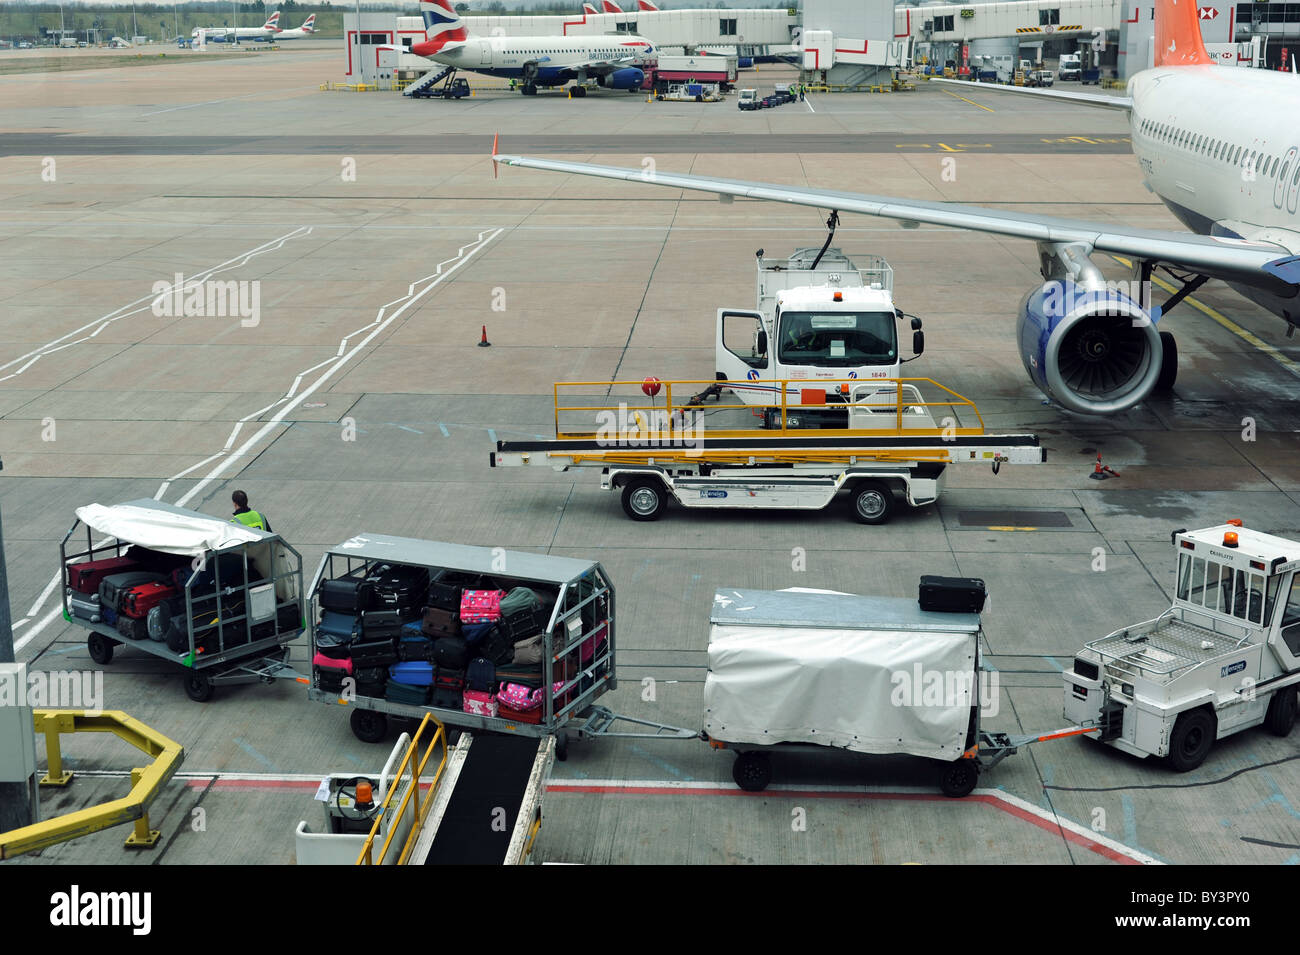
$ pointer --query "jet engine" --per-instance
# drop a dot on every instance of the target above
(1092, 349)
(628, 78)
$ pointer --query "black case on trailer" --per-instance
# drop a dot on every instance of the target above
(377, 624)
(373, 653)
(345, 595)
(497, 646)
(418, 647)
(446, 586)
(111, 588)
(527, 622)
(398, 587)
(451, 653)
(397, 692)
(951, 594)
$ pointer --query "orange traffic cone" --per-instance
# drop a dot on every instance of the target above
(483, 342)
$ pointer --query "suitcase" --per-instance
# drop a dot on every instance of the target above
(397, 692)
(497, 647)
(520, 598)
(112, 587)
(592, 646)
(529, 651)
(133, 628)
(85, 578)
(322, 662)
(138, 601)
(339, 627)
(345, 595)
(530, 675)
(446, 699)
(476, 633)
(480, 606)
(373, 653)
(85, 606)
(438, 622)
(413, 672)
(414, 645)
(481, 675)
(520, 716)
(524, 622)
(158, 621)
(398, 587)
(381, 624)
(951, 594)
(446, 587)
(450, 652)
(479, 702)
(225, 570)
(371, 675)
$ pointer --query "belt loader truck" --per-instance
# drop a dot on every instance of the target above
(1224, 657)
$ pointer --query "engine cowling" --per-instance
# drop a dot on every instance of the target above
(1095, 351)
(628, 78)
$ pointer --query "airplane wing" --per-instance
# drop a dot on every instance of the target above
(1232, 259)
(601, 67)
(1070, 96)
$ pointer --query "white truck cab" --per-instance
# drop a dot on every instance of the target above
(1224, 657)
(1070, 67)
(820, 316)
(748, 99)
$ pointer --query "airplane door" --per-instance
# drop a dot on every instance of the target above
(485, 54)
(743, 351)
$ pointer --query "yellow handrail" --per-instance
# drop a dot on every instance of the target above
(134, 807)
(419, 808)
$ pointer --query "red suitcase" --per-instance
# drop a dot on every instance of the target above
(138, 601)
(85, 578)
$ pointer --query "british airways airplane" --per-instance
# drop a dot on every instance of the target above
(1221, 149)
(613, 61)
(264, 34)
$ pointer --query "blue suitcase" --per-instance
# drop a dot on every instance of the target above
(413, 644)
(342, 627)
(413, 672)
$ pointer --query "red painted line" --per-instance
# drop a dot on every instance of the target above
(863, 50)
(573, 23)
(1024, 815)
(908, 31)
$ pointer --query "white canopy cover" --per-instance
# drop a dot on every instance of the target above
(169, 530)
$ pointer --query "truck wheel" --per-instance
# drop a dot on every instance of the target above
(959, 778)
(1191, 740)
(644, 499)
(369, 726)
(1168, 362)
(198, 686)
(1281, 714)
(752, 771)
(873, 502)
(101, 648)
(562, 745)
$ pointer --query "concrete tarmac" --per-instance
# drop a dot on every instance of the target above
(356, 399)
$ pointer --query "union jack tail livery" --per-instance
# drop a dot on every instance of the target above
(646, 5)
(442, 25)
(1178, 34)
(272, 22)
(587, 8)
(609, 6)
(310, 25)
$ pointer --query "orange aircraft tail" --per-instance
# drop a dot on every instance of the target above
(1178, 34)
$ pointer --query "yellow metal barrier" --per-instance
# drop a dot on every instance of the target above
(411, 798)
(134, 807)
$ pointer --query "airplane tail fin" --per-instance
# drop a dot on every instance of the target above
(309, 26)
(589, 9)
(1178, 34)
(442, 25)
(272, 22)
(609, 6)
(646, 5)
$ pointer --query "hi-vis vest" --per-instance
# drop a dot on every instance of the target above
(250, 519)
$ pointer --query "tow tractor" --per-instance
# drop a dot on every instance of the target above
(1224, 657)
(894, 444)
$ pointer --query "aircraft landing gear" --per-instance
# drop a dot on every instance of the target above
(577, 91)
(1168, 362)
(528, 89)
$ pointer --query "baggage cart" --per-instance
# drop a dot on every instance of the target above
(578, 651)
(241, 589)
(798, 670)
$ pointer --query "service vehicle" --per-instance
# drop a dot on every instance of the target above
(1223, 658)
(1070, 67)
(694, 69)
(748, 99)
(1040, 78)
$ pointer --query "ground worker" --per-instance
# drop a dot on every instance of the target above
(245, 516)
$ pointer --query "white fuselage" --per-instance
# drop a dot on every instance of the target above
(512, 56)
(1220, 147)
(240, 33)
(296, 34)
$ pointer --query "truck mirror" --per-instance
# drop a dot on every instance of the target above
(918, 342)
(762, 344)
(916, 324)
(898, 313)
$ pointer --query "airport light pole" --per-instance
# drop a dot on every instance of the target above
(15, 798)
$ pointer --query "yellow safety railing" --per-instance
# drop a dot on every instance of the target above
(411, 798)
(146, 783)
(667, 424)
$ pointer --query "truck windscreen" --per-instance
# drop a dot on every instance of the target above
(837, 339)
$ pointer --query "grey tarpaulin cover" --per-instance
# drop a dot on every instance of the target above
(869, 674)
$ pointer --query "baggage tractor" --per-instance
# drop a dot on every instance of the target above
(413, 644)
(414, 672)
(86, 606)
(345, 595)
(373, 653)
(397, 692)
(86, 577)
(951, 594)
(438, 622)
(113, 585)
(138, 601)
(451, 653)
(401, 588)
(381, 624)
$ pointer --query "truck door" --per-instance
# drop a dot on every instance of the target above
(743, 351)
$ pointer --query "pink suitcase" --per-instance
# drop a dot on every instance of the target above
(480, 703)
(322, 662)
(481, 606)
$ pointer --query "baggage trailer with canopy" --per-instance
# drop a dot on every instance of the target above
(797, 669)
(578, 645)
(230, 597)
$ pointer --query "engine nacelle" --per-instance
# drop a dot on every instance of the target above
(628, 78)
(1093, 351)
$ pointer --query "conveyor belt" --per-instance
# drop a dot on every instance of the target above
(492, 782)
(849, 443)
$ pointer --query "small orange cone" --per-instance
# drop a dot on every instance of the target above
(483, 342)
(1100, 472)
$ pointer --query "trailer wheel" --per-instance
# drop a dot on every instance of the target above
(644, 499)
(101, 648)
(959, 778)
(752, 771)
(198, 686)
(1281, 714)
(562, 745)
(1191, 740)
(369, 726)
(873, 502)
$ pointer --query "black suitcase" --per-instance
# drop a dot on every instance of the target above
(133, 628)
(448, 699)
(497, 647)
(446, 586)
(481, 675)
(112, 587)
(438, 622)
(345, 595)
(414, 645)
(406, 693)
(451, 653)
(381, 624)
(528, 622)
(952, 594)
(331, 680)
(398, 587)
(373, 653)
